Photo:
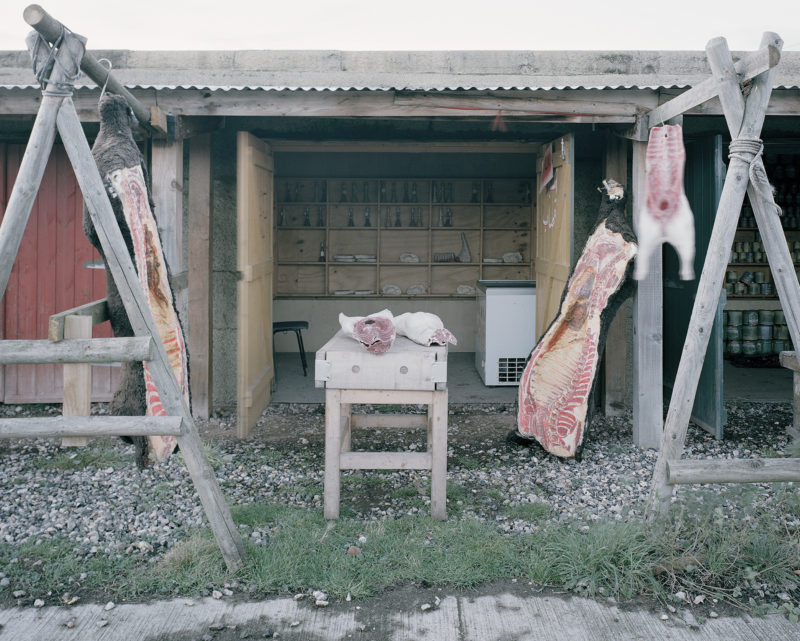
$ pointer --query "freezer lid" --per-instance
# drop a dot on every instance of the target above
(487, 284)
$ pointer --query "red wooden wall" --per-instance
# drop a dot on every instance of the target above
(49, 276)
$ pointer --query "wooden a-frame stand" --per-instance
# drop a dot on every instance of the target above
(745, 117)
(57, 112)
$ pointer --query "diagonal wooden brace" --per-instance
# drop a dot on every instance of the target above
(745, 119)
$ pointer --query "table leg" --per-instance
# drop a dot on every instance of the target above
(347, 426)
(333, 445)
(439, 456)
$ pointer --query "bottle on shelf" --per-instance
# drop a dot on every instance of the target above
(282, 217)
(350, 221)
(342, 193)
(306, 218)
(322, 252)
(367, 222)
(320, 217)
(397, 221)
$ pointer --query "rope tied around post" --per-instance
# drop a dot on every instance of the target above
(43, 63)
(750, 150)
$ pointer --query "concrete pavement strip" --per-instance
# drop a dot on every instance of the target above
(496, 617)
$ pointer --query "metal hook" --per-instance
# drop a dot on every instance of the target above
(105, 84)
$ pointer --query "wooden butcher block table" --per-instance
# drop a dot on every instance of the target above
(408, 374)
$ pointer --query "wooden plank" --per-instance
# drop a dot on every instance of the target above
(746, 122)
(438, 454)
(554, 225)
(121, 267)
(747, 68)
(395, 421)
(77, 379)
(167, 192)
(254, 203)
(200, 340)
(97, 310)
(3, 198)
(386, 397)
(77, 350)
(775, 470)
(90, 426)
(616, 349)
(333, 447)
(648, 392)
(385, 460)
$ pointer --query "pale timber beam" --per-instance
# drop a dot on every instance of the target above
(76, 350)
(756, 470)
(97, 310)
(77, 377)
(745, 120)
(648, 317)
(200, 291)
(616, 349)
(51, 30)
(78, 426)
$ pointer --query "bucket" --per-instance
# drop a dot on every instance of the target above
(740, 288)
(779, 318)
(765, 332)
(749, 348)
(778, 346)
(750, 317)
(731, 276)
(781, 332)
(766, 347)
(735, 317)
(759, 277)
(750, 333)
(766, 317)
(754, 288)
(733, 332)
(734, 347)
(747, 278)
(765, 288)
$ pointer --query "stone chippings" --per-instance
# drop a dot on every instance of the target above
(109, 507)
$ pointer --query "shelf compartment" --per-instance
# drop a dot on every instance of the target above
(507, 271)
(355, 276)
(301, 279)
(397, 242)
(449, 240)
(459, 216)
(352, 241)
(404, 276)
(421, 216)
(299, 245)
(339, 214)
(497, 243)
(300, 190)
(507, 216)
(508, 191)
(291, 215)
(446, 277)
(448, 192)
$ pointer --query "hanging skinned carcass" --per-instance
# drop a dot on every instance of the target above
(666, 215)
(555, 388)
(120, 163)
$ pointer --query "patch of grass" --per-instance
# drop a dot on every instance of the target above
(468, 463)
(535, 511)
(95, 455)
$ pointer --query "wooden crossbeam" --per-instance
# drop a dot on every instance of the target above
(77, 350)
(745, 120)
(774, 470)
(59, 426)
(98, 310)
(752, 65)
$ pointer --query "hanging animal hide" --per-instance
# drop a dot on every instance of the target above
(666, 215)
(556, 385)
(120, 164)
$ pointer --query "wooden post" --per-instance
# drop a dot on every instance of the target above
(773, 470)
(616, 350)
(200, 341)
(648, 315)
(747, 123)
(333, 447)
(77, 379)
(124, 274)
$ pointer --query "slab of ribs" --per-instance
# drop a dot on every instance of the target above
(555, 389)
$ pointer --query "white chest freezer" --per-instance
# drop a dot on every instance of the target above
(506, 329)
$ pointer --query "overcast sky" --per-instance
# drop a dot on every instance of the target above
(412, 24)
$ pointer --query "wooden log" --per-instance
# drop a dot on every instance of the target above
(55, 426)
(77, 379)
(125, 277)
(51, 29)
(395, 421)
(747, 121)
(77, 350)
(648, 342)
(200, 339)
(98, 310)
(777, 470)
(385, 460)
(753, 64)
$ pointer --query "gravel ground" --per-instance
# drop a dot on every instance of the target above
(97, 498)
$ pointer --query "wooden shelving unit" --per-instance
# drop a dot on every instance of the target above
(367, 227)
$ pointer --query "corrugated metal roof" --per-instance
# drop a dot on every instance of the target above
(400, 70)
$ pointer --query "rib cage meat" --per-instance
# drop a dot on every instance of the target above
(558, 379)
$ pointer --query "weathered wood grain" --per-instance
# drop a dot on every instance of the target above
(55, 426)
(97, 310)
(734, 471)
(76, 350)
(77, 379)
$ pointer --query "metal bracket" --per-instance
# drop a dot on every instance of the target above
(322, 370)
(438, 372)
